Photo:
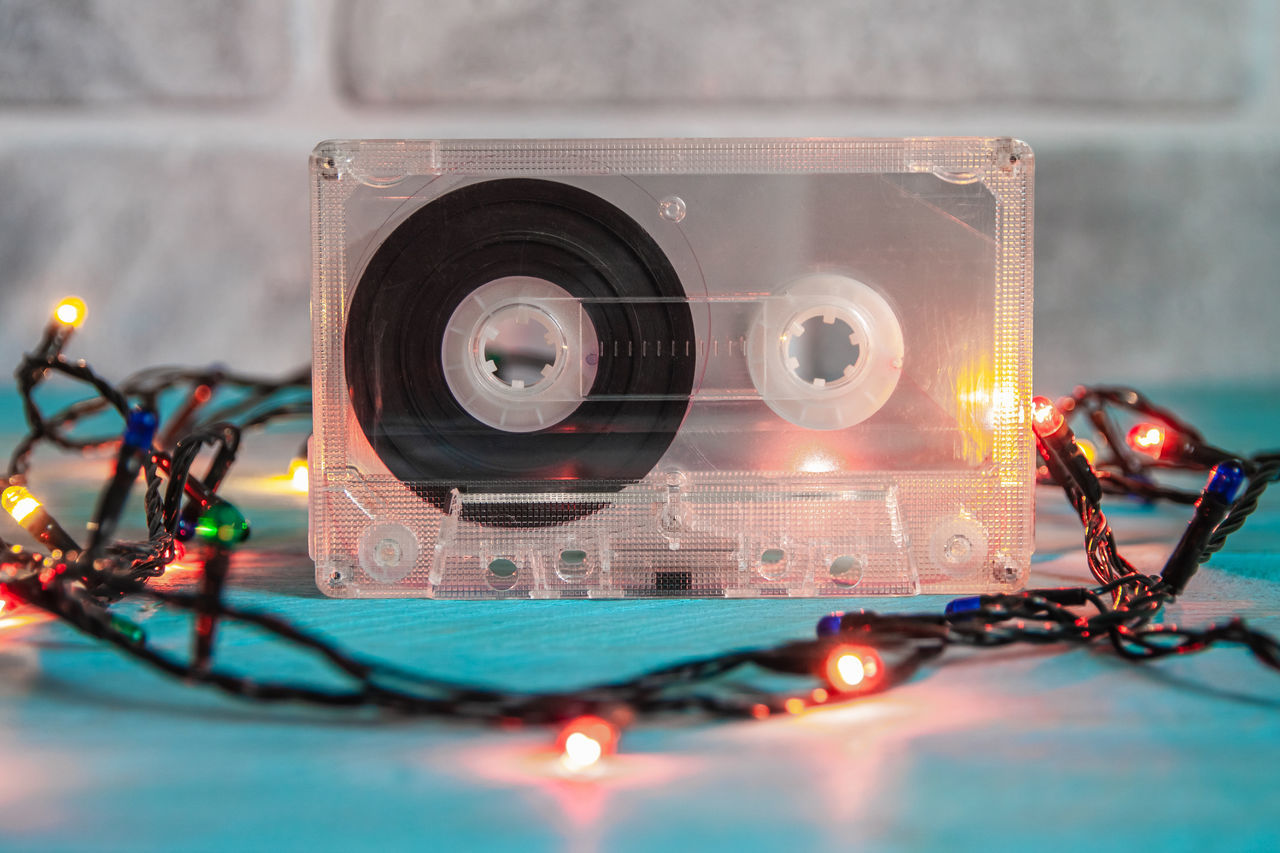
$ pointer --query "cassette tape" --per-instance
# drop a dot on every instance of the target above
(611, 368)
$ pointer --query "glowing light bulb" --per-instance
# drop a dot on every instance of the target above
(1148, 439)
(18, 502)
(222, 523)
(1088, 449)
(794, 705)
(70, 311)
(581, 750)
(852, 669)
(299, 476)
(585, 740)
(1045, 417)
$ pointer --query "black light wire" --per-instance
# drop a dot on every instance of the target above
(1122, 608)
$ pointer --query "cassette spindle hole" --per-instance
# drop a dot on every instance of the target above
(823, 349)
(825, 352)
(520, 346)
(514, 354)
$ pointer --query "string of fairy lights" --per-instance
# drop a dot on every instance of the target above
(78, 579)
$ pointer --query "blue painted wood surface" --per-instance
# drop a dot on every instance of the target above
(1013, 749)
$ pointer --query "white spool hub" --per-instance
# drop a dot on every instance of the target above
(826, 352)
(519, 354)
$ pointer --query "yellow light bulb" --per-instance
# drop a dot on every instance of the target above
(18, 502)
(299, 476)
(70, 311)
(1088, 448)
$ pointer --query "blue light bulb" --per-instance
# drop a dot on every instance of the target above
(963, 605)
(140, 429)
(1225, 481)
(829, 625)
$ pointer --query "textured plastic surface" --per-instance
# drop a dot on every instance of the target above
(857, 421)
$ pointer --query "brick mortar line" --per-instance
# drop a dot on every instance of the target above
(274, 129)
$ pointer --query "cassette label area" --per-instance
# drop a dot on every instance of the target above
(738, 368)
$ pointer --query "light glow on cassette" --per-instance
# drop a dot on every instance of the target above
(818, 461)
(993, 403)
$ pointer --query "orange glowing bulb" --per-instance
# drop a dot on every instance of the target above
(70, 311)
(585, 740)
(852, 668)
(1148, 439)
(1045, 417)
(794, 705)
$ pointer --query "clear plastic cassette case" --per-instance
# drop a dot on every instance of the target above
(609, 368)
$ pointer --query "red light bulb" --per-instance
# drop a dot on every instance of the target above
(1148, 439)
(853, 669)
(1045, 417)
(585, 740)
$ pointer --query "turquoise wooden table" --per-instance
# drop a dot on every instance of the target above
(1012, 749)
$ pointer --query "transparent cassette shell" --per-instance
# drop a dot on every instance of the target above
(858, 339)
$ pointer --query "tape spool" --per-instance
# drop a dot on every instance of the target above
(539, 245)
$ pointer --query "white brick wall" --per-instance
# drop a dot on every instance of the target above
(153, 154)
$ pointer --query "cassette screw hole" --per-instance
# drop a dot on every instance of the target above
(572, 567)
(846, 570)
(823, 350)
(672, 208)
(502, 573)
(388, 553)
(958, 549)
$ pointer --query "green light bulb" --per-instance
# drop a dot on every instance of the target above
(222, 523)
(131, 631)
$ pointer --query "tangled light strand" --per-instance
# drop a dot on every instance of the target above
(853, 654)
